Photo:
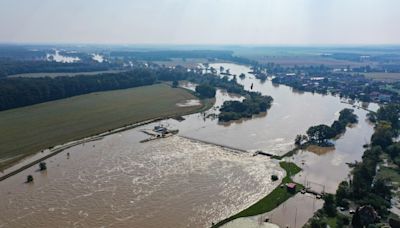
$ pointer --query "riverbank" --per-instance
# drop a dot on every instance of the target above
(31, 129)
(272, 200)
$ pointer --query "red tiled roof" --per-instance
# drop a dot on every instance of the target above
(291, 185)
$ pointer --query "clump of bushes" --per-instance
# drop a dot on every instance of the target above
(29, 179)
(42, 166)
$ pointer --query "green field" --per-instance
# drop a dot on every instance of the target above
(272, 200)
(30, 129)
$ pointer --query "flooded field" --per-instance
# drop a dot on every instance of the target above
(176, 182)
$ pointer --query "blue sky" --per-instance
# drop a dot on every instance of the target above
(269, 22)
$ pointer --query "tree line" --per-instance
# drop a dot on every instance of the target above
(18, 92)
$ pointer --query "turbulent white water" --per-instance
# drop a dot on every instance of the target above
(118, 182)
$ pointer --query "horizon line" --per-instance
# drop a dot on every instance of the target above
(202, 44)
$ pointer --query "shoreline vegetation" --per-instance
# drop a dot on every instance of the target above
(320, 135)
(279, 195)
(85, 116)
(369, 190)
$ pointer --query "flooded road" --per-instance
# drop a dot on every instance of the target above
(176, 182)
(293, 213)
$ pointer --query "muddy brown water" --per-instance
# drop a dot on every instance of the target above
(176, 182)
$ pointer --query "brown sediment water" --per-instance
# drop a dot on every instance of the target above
(296, 211)
(176, 182)
(118, 182)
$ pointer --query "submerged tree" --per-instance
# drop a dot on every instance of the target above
(42, 166)
(300, 139)
(320, 133)
(29, 178)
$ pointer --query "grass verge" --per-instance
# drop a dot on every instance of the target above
(272, 200)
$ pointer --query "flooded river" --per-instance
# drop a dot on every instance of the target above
(118, 182)
(176, 182)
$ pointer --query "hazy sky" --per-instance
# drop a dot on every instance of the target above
(201, 21)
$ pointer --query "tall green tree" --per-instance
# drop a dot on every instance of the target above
(320, 133)
(329, 205)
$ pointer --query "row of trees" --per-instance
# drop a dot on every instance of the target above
(18, 92)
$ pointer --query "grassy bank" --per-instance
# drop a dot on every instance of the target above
(30, 129)
(272, 200)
